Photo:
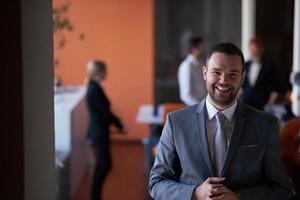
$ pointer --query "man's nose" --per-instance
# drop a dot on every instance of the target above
(223, 78)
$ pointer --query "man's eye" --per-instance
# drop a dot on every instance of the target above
(216, 72)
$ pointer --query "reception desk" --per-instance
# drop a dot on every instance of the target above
(146, 114)
(70, 138)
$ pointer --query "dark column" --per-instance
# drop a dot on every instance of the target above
(11, 142)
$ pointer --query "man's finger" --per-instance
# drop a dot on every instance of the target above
(221, 197)
(214, 193)
(216, 186)
(215, 180)
(219, 190)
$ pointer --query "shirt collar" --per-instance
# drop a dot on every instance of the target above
(256, 64)
(212, 110)
(192, 59)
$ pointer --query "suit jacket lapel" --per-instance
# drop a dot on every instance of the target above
(202, 136)
(240, 116)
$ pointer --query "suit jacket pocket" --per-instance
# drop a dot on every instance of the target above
(248, 146)
(246, 163)
(249, 153)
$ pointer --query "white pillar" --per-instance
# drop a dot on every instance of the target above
(248, 24)
(295, 76)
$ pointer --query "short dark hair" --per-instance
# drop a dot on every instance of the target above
(228, 48)
(257, 41)
(195, 41)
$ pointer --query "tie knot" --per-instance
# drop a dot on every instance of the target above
(220, 117)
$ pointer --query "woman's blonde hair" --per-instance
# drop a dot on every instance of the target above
(95, 68)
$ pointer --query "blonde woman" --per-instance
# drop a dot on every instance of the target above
(100, 118)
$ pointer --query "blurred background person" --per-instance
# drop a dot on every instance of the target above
(191, 83)
(261, 76)
(100, 118)
(278, 105)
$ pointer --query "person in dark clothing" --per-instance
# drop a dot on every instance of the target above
(100, 118)
(261, 77)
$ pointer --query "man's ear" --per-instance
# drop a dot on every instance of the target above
(204, 72)
(243, 76)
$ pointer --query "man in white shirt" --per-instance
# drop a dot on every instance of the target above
(190, 78)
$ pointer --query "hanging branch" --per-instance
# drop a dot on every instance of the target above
(61, 25)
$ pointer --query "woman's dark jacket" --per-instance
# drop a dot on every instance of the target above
(100, 115)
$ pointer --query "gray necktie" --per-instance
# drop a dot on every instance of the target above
(220, 143)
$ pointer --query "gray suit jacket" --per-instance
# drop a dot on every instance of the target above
(252, 166)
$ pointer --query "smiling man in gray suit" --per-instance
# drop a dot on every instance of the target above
(220, 148)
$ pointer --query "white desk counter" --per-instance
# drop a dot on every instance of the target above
(146, 115)
(65, 102)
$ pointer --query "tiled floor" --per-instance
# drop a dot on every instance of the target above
(127, 178)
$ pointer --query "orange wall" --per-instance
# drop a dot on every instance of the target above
(121, 33)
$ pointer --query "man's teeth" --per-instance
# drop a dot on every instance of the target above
(223, 89)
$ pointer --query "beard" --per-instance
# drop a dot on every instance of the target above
(223, 98)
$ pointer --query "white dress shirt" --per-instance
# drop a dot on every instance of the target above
(192, 86)
(254, 72)
(212, 125)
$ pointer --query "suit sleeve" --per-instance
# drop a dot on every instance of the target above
(164, 177)
(277, 184)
